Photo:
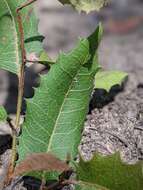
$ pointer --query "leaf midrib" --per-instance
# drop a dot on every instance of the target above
(55, 126)
(65, 97)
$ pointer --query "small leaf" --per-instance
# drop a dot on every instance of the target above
(44, 56)
(45, 59)
(40, 162)
(3, 114)
(86, 5)
(107, 79)
(111, 172)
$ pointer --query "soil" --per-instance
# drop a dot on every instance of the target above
(118, 126)
(115, 119)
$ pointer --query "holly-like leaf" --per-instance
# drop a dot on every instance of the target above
(86, 5)
(107, 79)
(3, 114)
(55, 115)
(10, 56)
(40, 162)
(111, 173)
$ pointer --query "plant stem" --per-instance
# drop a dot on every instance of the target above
(17, 121)
(20, 94)
(20, 87)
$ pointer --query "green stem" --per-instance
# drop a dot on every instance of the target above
(20, 95)
(20, 89)
(18, 113)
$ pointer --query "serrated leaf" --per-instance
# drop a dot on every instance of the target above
(111, 172)
(107, 79)
(55, 115)
(86, 5)
(40, 162)
(3, 114)
(10, 56)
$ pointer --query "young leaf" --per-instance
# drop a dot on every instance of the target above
(40, 162)
(111, 173)
(3, 114)
(107, 79)
(10, 56)
(55, 115)
(86, 5)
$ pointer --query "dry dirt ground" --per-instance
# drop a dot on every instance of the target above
(115, 122)
(119, 124)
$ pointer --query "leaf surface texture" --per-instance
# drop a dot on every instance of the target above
(110, 172)
(10, 56)
(3, 114)
(55, 115)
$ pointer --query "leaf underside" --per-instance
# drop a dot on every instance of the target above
(55, 115)
(10, 56)
(110, 172)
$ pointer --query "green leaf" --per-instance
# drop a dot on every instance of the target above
(7, 47)
(3, 114)
(107, 79)
(55, 115)
(10, 56)
(45, 59)
(88, 186)
(3, 10)
(111, 172)
(86, 5)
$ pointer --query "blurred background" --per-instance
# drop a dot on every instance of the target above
(121, 47)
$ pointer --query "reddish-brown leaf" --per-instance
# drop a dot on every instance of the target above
(40, 162)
